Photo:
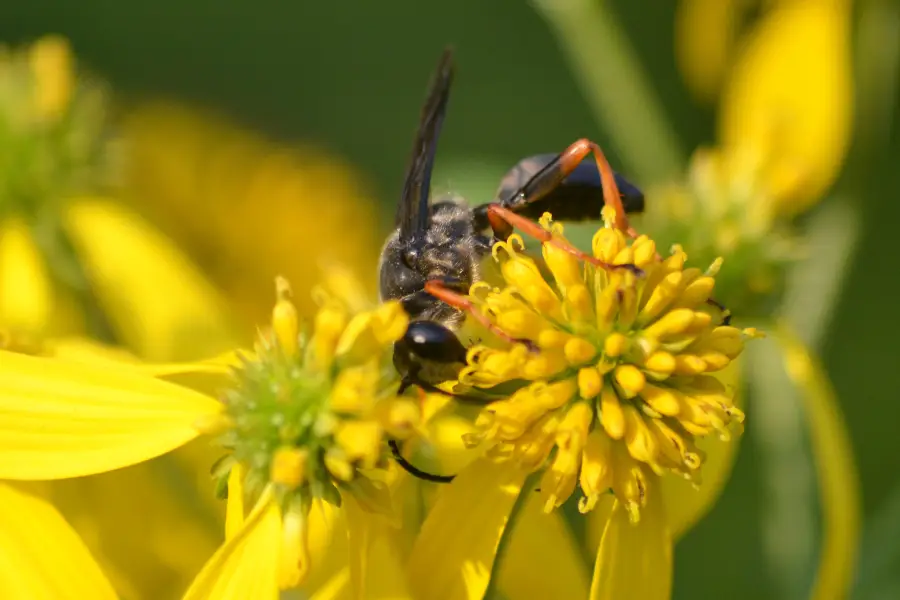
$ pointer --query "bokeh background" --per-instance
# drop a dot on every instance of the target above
(341, 85)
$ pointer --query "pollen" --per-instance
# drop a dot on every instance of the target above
(620, 376)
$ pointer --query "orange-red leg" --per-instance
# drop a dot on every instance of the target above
(437, 289)
(497, 213)
(572, 156)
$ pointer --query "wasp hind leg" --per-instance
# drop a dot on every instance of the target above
(503, 220)
(548, 189)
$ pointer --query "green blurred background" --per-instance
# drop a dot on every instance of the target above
(350, 78)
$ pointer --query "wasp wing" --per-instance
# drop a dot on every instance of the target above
(412, 212)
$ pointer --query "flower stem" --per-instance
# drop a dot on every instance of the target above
(616, 87)
(835, 465)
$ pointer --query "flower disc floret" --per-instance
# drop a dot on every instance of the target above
(620, 366)
(310, 411)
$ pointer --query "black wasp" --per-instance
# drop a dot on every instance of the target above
(435, 255)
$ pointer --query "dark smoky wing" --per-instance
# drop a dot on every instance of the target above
(412, 212)
(579, 197)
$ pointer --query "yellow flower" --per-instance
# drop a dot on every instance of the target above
(245, 208)
(787, 89)
(290, 452)
(57, 273)
(619, 386)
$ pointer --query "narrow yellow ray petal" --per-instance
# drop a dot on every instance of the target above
(207, 376)
(157, 301)
(376, 571)
(328, 545)
(41, 557)
(62, 419)
(791, 94)
(685, 505)
(336, 588)
(245, 566)
(635, 559)
(454, 554)
(705, 36)
(835, 468)
(26, 297)
(85, 350)
(234, 511)
(542, 559)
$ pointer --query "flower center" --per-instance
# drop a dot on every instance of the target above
(621, 382)
(310, 411)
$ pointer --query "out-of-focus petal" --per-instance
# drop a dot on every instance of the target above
(705, 35)
(26, 297)
(41, 557)
(376, 570)
(234, 513)
(336, 587)
(635, 559)
(247, 208)
(158, 302)
(246, 566)
(790, 97)
(328, 548)
(61, 419)
(542, 559)
(454, 554)
(685, 504)
(835, 468)
(143, 525)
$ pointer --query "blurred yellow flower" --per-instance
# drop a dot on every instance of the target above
(787, 88)
(617, 390)
(245, 208)
(72, 261)
(303, 419)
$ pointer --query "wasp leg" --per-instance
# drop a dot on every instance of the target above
(503, 220)
(440, 291)
(549, 179)
(415, 471)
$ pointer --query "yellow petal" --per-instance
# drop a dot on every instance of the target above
(328, 548)
(685, 504)
(791, 96)
(635, 559)
(454, 554)
(835, 469)
(146, 525)
(234, 512)
(542, 559)
(376, 570)
(62, 419)
(26, 297)
(157, 301)
(41, 557)
(705, 35)
(246, 566)
(337, 587)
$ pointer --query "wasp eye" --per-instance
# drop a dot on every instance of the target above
(410, 257)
